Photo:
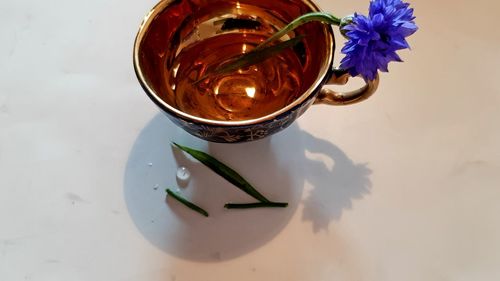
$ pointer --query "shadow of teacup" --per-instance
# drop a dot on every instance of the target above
(277, 166)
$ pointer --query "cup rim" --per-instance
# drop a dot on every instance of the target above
(322, 76)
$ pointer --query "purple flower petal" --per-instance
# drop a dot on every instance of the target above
(374, 40)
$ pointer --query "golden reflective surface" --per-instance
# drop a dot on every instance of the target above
(168, 36)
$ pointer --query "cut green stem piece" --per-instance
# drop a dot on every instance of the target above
(186, 202)
(252, 57)
(224, 171)
(256, 205)
(315, 16)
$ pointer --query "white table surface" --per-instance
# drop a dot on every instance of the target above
(405, 186)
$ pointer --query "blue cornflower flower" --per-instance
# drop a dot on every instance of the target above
(373, 40)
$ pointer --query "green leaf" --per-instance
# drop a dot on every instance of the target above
(186, 202)
(256, 205)
(257, 56)
(263, 52)
(224, 171)
(252, 57)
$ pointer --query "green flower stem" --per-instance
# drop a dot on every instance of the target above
(315, 16)
(186, 202)
(256, 205)
(263, 52)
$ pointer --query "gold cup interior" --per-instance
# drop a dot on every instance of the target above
(171, 25)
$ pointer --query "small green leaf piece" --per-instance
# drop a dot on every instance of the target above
(224, 171)
(256, 205)
(186, 202)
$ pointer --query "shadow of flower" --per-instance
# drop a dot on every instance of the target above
(333, 189)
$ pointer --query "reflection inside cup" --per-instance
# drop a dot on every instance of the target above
(182, 43)
(245, 93)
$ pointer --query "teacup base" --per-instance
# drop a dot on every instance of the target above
(238, 134)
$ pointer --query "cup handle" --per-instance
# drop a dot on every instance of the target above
(341, 77)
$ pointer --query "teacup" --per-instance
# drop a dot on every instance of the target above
(176, 24)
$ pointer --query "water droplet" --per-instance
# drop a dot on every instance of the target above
(183, 174)
(156, 187)
(150, 164)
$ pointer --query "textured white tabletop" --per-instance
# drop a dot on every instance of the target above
(404, 186)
